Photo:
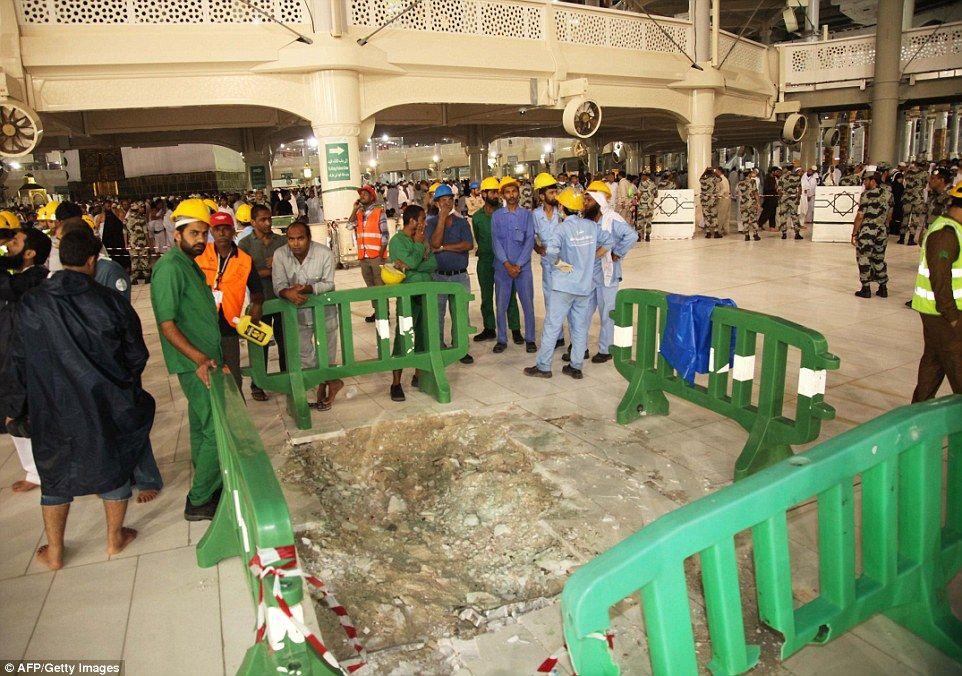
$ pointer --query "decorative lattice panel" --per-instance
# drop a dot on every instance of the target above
(157, 11)
(745, 55)
(511, 20)
(453, 16)
(657, 41)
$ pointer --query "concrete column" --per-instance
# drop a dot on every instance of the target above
(336, 121)
(257, 161)
(699, 134)
(701, 11)
(954, 123)
(592, 159)
(908, 12)
(811, 21)
(810, 141)
(928, 138)
(885, 89)
(634, 161)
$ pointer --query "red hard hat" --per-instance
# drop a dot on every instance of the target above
(368, 189)
(221, 218)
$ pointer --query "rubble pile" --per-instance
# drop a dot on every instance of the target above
(427, 528)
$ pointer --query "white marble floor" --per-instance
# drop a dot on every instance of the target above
(153, 607)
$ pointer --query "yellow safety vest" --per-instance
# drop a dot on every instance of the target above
(924, 299)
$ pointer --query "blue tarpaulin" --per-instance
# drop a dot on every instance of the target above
(687, 340)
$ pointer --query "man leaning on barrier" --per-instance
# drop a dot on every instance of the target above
(410, 254)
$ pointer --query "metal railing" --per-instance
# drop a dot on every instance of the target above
(252, 519)
(908, 556)
(429, 361)
(640, 317)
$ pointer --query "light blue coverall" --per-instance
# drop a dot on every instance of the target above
(512, 235)
(575, 241)
(623, 237)
(543, 229)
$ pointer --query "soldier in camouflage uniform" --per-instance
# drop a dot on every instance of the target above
(913, 203)
(869, 237)
(138, 242)
(749, 203)
(708, 197)
(940, 182)
(850, 177)
(645, 205)
(789, 193)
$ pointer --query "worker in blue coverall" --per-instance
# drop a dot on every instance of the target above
(512, 233)
(572, 250)
(607, 273)
(547, 217)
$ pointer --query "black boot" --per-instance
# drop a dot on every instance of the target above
(707, 235)
(757, 238)
(647, 238)
(517, 337)
(784, 235)
(864, 292)
(882, 292)
(901, 239)
(487, 334)
(911, 241)
(798, 236)
(748, 238)
(718, 235)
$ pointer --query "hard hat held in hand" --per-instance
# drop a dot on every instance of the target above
(544, 180)
(390, 275)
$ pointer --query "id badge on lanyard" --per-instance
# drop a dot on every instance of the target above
(221, 269)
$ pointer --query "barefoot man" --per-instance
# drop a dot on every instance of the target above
(78, 359)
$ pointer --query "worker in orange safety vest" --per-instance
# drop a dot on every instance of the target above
(369, 222)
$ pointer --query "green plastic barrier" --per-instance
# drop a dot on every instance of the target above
(908, 557)
(771, 434)
(281, 223)
(253, 515)
(430, 362)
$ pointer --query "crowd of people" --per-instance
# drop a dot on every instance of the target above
(73, 354)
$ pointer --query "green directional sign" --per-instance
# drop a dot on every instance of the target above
(258, 176)
(338, 161)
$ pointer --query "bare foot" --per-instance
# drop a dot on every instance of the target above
(46, 557)
(127, 536)
(23, 486)
(147, 495)
(333, 388)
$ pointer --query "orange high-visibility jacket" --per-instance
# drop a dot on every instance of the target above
(233, 280)
(368, 231)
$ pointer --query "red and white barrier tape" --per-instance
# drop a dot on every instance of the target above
(262, 565)
(547, 667)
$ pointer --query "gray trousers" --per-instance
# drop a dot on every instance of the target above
(230, 350)
(308, 344)
(445, 300)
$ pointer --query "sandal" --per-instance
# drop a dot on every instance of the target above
(320, 406)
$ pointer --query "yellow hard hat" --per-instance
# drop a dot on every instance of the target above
(490, 183)
(243, 214)
(506, 181)
(956, 191)
(434, 186)
(89, 220)
(48, 212)
(599, 186)
(390, 275)
(571, 199)
(210, 204)
(544, 180)
(9, 220)
(191, 210)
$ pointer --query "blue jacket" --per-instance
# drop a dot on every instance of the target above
(575, 241)
(512, 235)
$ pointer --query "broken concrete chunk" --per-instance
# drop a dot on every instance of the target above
(396, 505)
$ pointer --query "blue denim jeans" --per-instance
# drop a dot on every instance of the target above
(122, 493)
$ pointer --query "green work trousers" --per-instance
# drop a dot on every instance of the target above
(486, 282)
(203, 443)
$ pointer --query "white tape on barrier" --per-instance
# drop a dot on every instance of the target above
(622, 337)
(383, 329)
(811, 382)
(405, 324)
(744, 367)
(240, 522)
(711, 362)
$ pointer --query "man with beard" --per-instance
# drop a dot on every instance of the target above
(572, 250)
(512, 234)
(27, 254)
(607, 270)
(547, 217)
(190, 338)
(481, 225)
(78, 359)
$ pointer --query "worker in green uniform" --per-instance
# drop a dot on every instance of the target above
(481, 225)
(408, 252)
(186, 315)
